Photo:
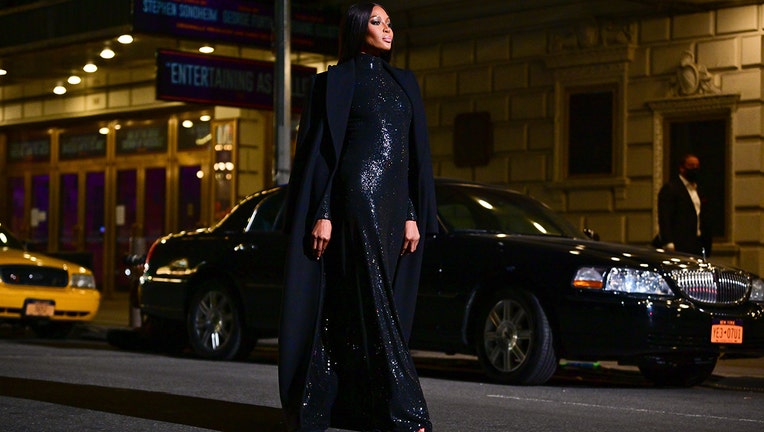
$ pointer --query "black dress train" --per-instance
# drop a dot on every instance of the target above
(361, 375)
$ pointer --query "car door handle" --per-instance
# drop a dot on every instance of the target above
(241, 246)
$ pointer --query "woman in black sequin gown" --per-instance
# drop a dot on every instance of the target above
(360, 194)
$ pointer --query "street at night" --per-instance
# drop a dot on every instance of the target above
(84, 383)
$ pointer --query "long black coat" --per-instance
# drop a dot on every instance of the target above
(678, 220)
(319, 144)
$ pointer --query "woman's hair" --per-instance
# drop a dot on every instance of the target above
(353, 29)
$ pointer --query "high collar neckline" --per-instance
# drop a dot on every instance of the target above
(368, 61)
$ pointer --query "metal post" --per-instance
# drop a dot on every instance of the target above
(283, 91)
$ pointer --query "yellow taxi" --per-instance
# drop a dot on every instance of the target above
(47, 294)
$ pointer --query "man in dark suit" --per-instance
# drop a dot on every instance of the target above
(681, 220)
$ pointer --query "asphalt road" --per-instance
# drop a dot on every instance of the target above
(85, 384)
(88, 385)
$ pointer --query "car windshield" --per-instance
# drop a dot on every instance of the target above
(465, 208)
(8, 241)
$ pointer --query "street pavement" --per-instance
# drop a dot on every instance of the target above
(730, 373)
(585, 396)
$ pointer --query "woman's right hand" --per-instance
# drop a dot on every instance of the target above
(322, 232)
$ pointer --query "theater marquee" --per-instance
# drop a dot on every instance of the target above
(236, 21)
(228, 81)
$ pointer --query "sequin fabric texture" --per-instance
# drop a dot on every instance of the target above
(361, 375)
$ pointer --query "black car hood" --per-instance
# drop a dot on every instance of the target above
(599, 252)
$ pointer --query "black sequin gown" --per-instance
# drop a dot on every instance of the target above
(361, 375)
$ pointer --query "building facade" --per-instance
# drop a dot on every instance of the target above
(98, 172)
(590, 114)
(585, 108)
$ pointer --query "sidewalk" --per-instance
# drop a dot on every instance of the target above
(113, 313)
(114, 310)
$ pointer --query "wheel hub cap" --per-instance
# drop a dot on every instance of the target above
(506, 335)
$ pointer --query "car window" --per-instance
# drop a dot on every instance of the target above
(457, 216)
(495, 210)
(238, 218)
(455, 211)
(267, 216)
(517, 218)
(458, 212)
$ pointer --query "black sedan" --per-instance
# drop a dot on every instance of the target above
(505, 279)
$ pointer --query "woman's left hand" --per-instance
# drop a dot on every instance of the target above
(410, 237)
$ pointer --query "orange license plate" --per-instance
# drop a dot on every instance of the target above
(39, 308)
(727, 331)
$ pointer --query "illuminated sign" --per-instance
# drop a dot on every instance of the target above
(82, 146)
(142, 139)
(235, 21)
(29, 150)
(214, 80)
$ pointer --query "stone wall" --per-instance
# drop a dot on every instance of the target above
(518, 77)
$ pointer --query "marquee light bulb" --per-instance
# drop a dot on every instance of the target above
(125, 39)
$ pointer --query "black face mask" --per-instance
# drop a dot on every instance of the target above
(691, 174)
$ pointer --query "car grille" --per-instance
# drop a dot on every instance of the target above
(713, 286)
(34, 275)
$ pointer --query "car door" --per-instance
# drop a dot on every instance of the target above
(261, 252)
(443, 291)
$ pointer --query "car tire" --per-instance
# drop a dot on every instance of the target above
(514, 339)
(53, 330)
(215, 325)
(677, 371)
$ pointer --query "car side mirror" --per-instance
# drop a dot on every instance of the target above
(591, 234)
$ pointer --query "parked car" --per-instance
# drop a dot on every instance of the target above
(47, 294)
(505, 279)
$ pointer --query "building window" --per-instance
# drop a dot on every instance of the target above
(590, 132)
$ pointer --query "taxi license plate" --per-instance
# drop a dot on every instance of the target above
(39, 308)
(727, 331)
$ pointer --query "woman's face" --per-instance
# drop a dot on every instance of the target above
(379, 34)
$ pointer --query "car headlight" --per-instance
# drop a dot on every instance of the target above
(619, 279)
(80, 280)
(757, 290)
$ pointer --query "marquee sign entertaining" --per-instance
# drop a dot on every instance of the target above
(214, 80)
(236, 21)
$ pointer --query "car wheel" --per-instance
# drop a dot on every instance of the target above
(514, 340)
(215, 326)
(53, 330)
(677, 371)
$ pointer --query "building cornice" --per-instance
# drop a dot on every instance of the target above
(695, 104)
